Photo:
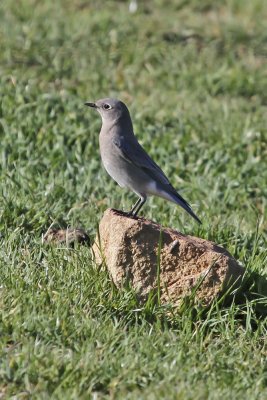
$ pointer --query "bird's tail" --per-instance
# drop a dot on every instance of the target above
(177, 199)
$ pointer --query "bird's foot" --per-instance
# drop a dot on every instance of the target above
(131, 214)
(118, 211)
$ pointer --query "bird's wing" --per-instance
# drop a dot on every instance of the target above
(134, 153)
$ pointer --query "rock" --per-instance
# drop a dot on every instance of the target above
(130, 249)
(66, 236)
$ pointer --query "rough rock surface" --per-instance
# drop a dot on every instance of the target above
(130, 249)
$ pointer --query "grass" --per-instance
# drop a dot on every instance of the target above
(194, 77)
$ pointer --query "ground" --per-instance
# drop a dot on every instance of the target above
(193, 74)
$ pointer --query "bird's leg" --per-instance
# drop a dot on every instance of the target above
(139, 206)
(134, 207)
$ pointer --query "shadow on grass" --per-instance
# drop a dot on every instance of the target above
(246, 303)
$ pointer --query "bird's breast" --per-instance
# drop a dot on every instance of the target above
(112, 162)
(123, 171)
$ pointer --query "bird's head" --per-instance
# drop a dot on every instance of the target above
(110, 109)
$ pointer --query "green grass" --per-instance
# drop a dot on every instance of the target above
(193, 74)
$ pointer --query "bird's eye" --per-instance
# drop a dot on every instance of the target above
(106, 107)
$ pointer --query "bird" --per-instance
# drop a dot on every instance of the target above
(127, 162)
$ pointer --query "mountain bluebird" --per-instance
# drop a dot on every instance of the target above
(127, 162)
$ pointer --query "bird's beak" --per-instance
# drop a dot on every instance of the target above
(93, 105)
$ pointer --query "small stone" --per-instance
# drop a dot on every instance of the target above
(67, 236)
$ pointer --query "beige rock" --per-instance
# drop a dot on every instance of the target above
(130, 249)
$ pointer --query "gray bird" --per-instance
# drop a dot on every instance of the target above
(127, 162)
